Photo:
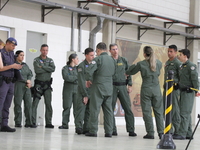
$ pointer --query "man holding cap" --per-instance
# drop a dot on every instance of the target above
(7, 82)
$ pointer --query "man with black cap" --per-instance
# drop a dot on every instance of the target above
(7, 82)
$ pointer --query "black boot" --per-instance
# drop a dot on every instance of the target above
(7, 129)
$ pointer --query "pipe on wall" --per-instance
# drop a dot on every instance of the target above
(72, 32)
(93, 33)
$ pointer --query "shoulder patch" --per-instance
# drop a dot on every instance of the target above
(93, 62)
(192, 68)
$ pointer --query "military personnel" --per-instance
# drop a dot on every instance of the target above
(43, 67)
(120, 90)
(69, 74)
(83, 98)
(99, 76)
(173, 64)
(188, 79)
(22, 92)
(150, 91)
(7, 82)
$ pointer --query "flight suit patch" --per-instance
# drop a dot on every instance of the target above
(79, 69)
(120, 64)
(192, 68)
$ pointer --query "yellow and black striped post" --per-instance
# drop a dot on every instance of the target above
(166, 141)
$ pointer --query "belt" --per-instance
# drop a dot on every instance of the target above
(119, 83)
(187, 89)
(8, 79)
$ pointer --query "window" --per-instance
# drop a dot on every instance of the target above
(4, 33)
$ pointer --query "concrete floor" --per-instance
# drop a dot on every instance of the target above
(57, 139)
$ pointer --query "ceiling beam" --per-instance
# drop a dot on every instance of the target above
(109, 17)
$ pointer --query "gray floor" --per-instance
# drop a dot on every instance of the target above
(55, 139)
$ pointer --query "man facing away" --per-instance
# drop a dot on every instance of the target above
(99, 76)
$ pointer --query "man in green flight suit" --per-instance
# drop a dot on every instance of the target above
(99, 75)
(83, 98)
(188, 82)
(120, 82)
(43, 66)
(173, 64)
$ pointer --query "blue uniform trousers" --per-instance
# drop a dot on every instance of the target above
(6, 94)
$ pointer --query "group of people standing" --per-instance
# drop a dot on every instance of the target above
(98, 82)
(15, 79)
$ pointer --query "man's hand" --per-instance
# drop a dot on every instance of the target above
(28, 83)
(129, 89)
(126, 75)
(85, 100)
(16, 66)
(88, 84)
(197, 94)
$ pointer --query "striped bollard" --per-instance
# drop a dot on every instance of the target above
(166, 141)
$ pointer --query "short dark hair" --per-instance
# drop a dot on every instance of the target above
(111, 45)
(18, 52)
(173, 47)
(101, 46)
(185, 52)
(88, 50)
(44, 45)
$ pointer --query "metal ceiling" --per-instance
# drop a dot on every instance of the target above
(113, 18)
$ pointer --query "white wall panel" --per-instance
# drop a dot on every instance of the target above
(177, 9)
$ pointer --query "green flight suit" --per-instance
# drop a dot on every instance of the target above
(22, 92)
(150, 95)
(43, 70)
(69, 93)
(100, 72)
(188, 78)
(173, 65)
(82, 110)
(120, 91)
